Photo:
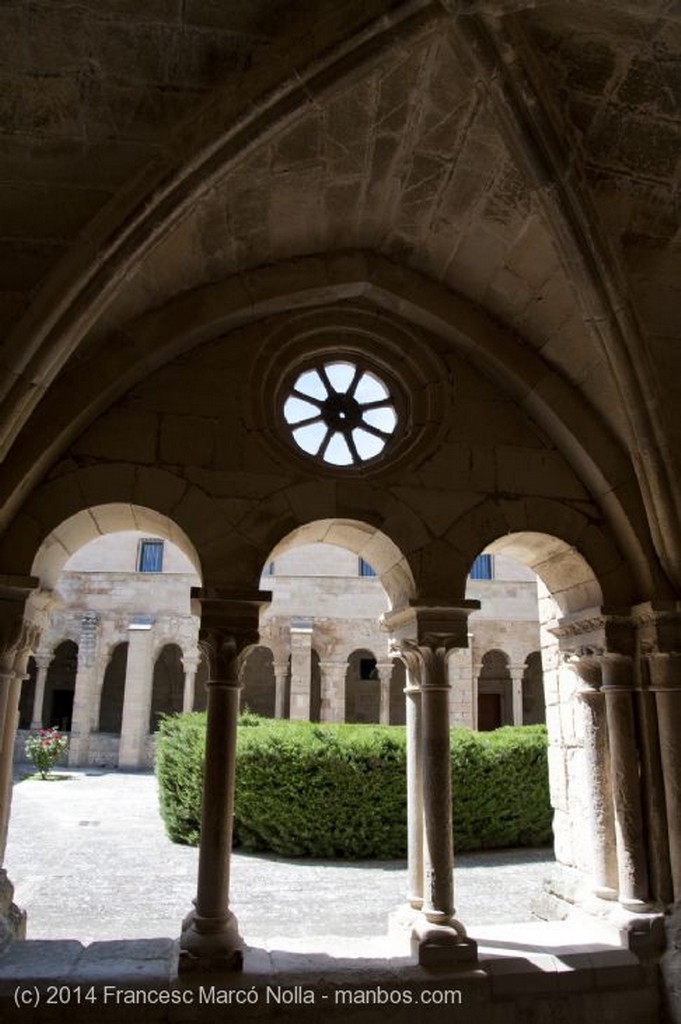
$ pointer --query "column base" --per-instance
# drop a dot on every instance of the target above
(604, 892)
(210, 944)
(12, 919)
(78, 751)
(443, 945)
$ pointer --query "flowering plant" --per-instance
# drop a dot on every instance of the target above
(44, 749)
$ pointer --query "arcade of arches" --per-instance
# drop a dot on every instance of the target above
(398, 276)
(322, 652)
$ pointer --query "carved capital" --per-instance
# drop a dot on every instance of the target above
(433, 624)
(229, 629)
(596, 633)
(426, 662)
(659, 627)
(18, 636)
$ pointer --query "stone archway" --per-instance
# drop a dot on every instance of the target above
(257, 677)
(168, 685)
(362, 687)
(534, 704)
(495, 697)
(113, 691)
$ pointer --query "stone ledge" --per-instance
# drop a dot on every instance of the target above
(514, 972)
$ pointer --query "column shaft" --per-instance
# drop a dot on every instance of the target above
(601, 811)
(42, 665)
(385, 674)
(333, 691)
(84, 698)
(438, 894)
(301, 673)
(211, 932)
(667, 682)
(218, 805)
(17, 638)
(517, 673)
(655, 805)
(280, 676)
(624, 760)
(414, 795)
(190, 666)
(136, 700)
(11, 685)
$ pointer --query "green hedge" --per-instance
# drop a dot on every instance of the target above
(340, 790)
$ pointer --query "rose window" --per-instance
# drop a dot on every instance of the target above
(341, 413)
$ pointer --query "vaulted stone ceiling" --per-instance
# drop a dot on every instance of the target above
(524, 155)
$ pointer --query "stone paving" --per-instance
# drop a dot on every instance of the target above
(90, 860)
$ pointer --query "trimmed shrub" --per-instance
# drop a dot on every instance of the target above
(500, 788)
(340, 790)
(180, 748)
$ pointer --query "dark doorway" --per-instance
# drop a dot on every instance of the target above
(489, 711)
(62, 710)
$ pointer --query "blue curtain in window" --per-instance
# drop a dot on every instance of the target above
(365, 569)
(151, 556)
(482, 568)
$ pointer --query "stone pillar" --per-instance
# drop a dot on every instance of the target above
(476, 669)
(86, 691)
(17, 639)
(12, 919)
(385, 674)
(412, 693)
(333, 690)
(139, 679)
(190, 664)
(598, 782)
(423, 637)
(463, 692)
(43, 662)
(210, 934)
(624, 760)
(665, 677)
(280, 669)
(301, 670)
(652, 780)
(517, 673)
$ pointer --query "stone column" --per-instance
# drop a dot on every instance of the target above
(462, 698)
(624, 760)
(301, 670)
(139, 680)
(599, 788)
(17, 639)
(86, 690)
(412, 692)
(190, 664)
(333, 690)
(423, 637)
(384, 670)
(665, 674)
(210, 933)
(517, 673)
(280, 669)
(476, 669)
(43, 662)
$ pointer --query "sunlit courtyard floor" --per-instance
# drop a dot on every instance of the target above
(90, 860)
